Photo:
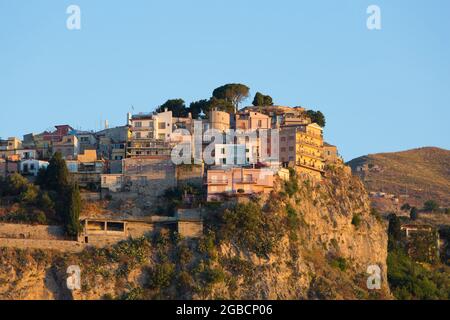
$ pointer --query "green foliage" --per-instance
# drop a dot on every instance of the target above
(160, 276)
(339, 263)
(262, 100)
(221, 105)
(247, 226)
(135, 293)
(172, 198)
(409, 280)
(430, 206)
(25, 215)
(405, 207)
(213, 275)
(414, 214)
(293, 220)
(56, 177)
(356, 220)
(30, 195)
(291, 186)
(234, 93)
(13, 185)
(316, 117)
(394, 231)
(177, 106)
(72, 212)
(198, 107)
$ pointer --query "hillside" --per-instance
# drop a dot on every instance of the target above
(415, 175)
(310, 241)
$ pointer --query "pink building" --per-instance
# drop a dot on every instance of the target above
(252, 121)
(222, 183)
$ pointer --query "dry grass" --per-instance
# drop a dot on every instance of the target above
(423, 174)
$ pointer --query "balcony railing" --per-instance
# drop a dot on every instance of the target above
(217, 181)
(245, 181)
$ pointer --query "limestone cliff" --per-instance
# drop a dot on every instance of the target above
(305, 241)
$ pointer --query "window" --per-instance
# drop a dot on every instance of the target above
(32, 167)
(138, 124)
(259, 123)
(138, 135)
(161, 126)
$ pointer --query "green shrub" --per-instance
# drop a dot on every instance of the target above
(339, 263)
(161, 275)
(247, 226)
(408, 280)
(430, 206)
(356, 220)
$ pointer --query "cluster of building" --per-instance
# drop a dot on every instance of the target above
(138, 157)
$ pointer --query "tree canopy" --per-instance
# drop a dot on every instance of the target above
(177, 106)
(262, 100)
(316, 117)
(430, 206)
(56, 177)
(232, 92)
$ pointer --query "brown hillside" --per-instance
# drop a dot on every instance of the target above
(421, 174)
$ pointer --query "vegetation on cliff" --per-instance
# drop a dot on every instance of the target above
(299, 245)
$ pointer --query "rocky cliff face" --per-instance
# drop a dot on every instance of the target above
(306, 241)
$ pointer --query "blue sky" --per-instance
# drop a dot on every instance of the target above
(381, 91)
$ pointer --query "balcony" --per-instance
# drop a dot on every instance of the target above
(245, 181)
(217, 182)
(308, 166)
(311, 155)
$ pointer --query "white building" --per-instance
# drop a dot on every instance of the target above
(32, 167)
(229, 154)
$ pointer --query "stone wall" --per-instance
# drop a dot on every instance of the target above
(190, 174)
(57, 245)
(36, 232)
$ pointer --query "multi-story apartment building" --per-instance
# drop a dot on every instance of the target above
(229, 182)
(112, 142)
(68, 146)
(150, 134)
(302, 147)
(9, 146)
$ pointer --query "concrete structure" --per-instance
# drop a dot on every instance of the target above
(31, 167)
(251, 120)
(219, 120)
(8, 167)
(223, 183)
(331, 154)
(112, 142)
(9, 146)
(189, 223)
(302, 147)
(150, 134)
(87, 140)
(230, 154)
(25, 154)
(146, 177)
(68, 146)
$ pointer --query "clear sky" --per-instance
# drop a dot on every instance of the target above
(384, 90)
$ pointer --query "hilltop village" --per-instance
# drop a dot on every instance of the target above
(200, 202)
(134, 164)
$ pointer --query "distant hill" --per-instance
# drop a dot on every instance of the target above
(415, 175)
